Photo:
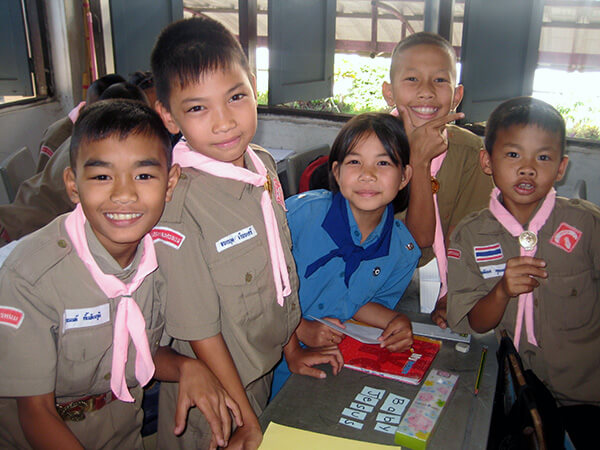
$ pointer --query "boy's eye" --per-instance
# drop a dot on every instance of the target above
(384, 163)
(441, 80)
(144, 176)
(512, 154)
(544, 158)
(237, 97)
(196, 108)
(100, 177)
(410, 79)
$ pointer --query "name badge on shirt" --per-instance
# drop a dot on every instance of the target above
(236, 238)
(86, 317)
(492, 271)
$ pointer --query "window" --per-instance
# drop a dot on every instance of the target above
(22, 51)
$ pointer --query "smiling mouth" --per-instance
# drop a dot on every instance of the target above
(123, 216)
(425, 110)
(229, 143)
(525, 188)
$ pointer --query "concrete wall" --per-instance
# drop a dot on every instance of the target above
(584, 164)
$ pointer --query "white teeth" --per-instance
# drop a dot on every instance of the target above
(526, 186)
(127, 216)
(424, 109)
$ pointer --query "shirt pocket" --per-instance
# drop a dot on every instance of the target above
(572, 301)
(243, 284)
(84, 361)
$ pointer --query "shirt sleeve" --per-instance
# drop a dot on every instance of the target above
(27, 338)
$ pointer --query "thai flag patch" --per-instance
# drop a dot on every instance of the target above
(488, 253)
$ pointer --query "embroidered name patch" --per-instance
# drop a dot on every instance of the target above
(12, 317)
(492, 271)
(86, 317)
(454, 253)
(167, 236)
(566, 237)
(488, 253)
(46, 151)
(235, 238)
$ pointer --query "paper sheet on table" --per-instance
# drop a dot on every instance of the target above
(281, 437)
(362, 333)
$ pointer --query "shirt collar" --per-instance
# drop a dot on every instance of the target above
(355, 231)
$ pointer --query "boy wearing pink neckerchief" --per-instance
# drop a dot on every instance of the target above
(81, 311)
(529, 263)
(224, 242)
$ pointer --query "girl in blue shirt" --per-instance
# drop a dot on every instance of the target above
(354, 259)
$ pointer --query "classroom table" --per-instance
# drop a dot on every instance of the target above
(316, 405)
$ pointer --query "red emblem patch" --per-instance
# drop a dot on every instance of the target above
(46, 151)
(566, 237)
(278, 191)
(13, 317)
(167, 236)
(454, 253)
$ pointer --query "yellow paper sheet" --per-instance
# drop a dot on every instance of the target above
(281, 437)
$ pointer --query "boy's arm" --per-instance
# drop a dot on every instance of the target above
(198, 387)
(519, 278)
(41, 424)
(397, 329)
(214, 352)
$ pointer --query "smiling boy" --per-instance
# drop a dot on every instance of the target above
(538, 247)
(74, 291)
(447, 182)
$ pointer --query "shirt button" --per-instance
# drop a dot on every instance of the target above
(573, 292)
(535, 302)
(293, 306)
(248, 277)
(107, 376)
(341, 274)
(410, 246)
(356, 233)
(183, 176)
(321, 306)
(62, 243)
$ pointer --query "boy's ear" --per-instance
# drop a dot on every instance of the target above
(167, 118)
(485, 161)
(174, 175)
(406, 176)
(335, 170)
(459, 91)
(388, 94)
(562, 168)
(71, 185)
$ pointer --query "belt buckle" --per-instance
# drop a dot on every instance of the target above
(75, 411)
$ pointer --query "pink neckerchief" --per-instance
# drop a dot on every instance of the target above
(74, 113)
(515, 229)
(129, 320)
(187, 157)
(439, 246)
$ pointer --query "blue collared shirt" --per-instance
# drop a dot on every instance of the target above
(324, 293)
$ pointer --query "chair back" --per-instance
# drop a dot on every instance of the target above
(15, 169)
(300, 161)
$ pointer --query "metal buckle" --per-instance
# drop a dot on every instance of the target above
(75, 411)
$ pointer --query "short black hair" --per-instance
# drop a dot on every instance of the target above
(422, 38)
(96, 89)
(390, 132)
(120, 118)
(524, 111)
(189, 48)
(124, 90)
(143, 80)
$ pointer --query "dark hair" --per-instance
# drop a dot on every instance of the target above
(390, 132)
(524, 111)
(96, 89)
(120, 118)
(189, 48)
(143, 80)
(124, 90)
(422, 38)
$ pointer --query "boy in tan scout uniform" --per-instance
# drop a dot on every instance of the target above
(226, 249)
(73, 292)
(529, 263)
(444, 158)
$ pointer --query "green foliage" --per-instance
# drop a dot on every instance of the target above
(581, 120)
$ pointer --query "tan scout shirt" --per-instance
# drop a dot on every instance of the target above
(567, 307)
(230, 291)
(54, 136)
(45, 279)
(464, 188)
(40, 199)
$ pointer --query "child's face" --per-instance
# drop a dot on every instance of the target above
(368, 178)
(525, 163)
(423, 81)
(217, 114)
(122, 186)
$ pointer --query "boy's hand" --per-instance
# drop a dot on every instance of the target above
(438, 315)
(520, 275)
(199, 387)
(397, 335)
(316, 334)
(246, 437)
(301, 360)
(428, 140)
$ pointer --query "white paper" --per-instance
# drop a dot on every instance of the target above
(373, 392)
(354, 414)
(395, 404)
(361, 407)
(351, 423)
(366, 335)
